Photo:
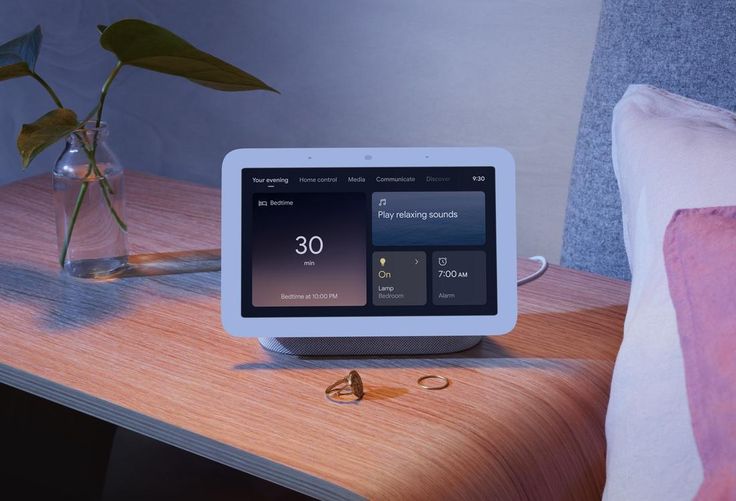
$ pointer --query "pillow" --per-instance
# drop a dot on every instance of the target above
(669, 152)
(700, 257)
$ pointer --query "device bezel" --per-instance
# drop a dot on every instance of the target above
(425, 325)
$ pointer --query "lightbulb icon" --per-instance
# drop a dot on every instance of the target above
(382, 261)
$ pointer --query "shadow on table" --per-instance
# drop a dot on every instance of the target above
(62, 303)
(172, 263)
(429, 363)
(598, 342)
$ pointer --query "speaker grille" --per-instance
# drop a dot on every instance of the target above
(361, 346)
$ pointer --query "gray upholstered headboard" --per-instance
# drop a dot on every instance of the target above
(684, 46)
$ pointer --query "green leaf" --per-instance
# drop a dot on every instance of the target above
(14, 71)
(145, 45)
(36, 137)
(18, 56)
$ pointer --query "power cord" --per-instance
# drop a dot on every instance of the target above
(543, 265)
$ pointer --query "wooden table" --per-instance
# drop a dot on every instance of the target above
(523, 417)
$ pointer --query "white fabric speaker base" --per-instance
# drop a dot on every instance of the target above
(362, 346)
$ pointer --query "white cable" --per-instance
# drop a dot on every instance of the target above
(530, 278)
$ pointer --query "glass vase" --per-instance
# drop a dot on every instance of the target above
(89, 199)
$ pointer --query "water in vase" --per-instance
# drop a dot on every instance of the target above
(98, 245)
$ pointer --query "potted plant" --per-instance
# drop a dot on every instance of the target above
(88, 178)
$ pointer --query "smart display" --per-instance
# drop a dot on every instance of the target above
(334, 243)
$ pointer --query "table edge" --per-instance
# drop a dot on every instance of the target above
(174, 436)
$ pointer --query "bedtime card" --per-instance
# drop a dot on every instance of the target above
(309, 249)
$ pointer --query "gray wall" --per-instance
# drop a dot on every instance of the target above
(379, 73)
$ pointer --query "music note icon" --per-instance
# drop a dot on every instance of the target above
(382, 202)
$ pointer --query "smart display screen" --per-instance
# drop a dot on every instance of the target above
(368, 241)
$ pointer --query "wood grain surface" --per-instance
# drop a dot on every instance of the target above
(522, 418)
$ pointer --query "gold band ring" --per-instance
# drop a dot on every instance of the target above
(445, 382)
(352, 384)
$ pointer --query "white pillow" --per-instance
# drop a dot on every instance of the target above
(669, 152)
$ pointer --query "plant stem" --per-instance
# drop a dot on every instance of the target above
(91, 156)
(85, 184)
(115, 215)
(92, 161)
(106, 189)
(75, 213)
(48, 88)
(90, 114)
(105, 88)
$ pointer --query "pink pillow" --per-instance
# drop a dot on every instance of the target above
(700, 256)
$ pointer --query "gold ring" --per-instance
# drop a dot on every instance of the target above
(445, 384)
(351, 384)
